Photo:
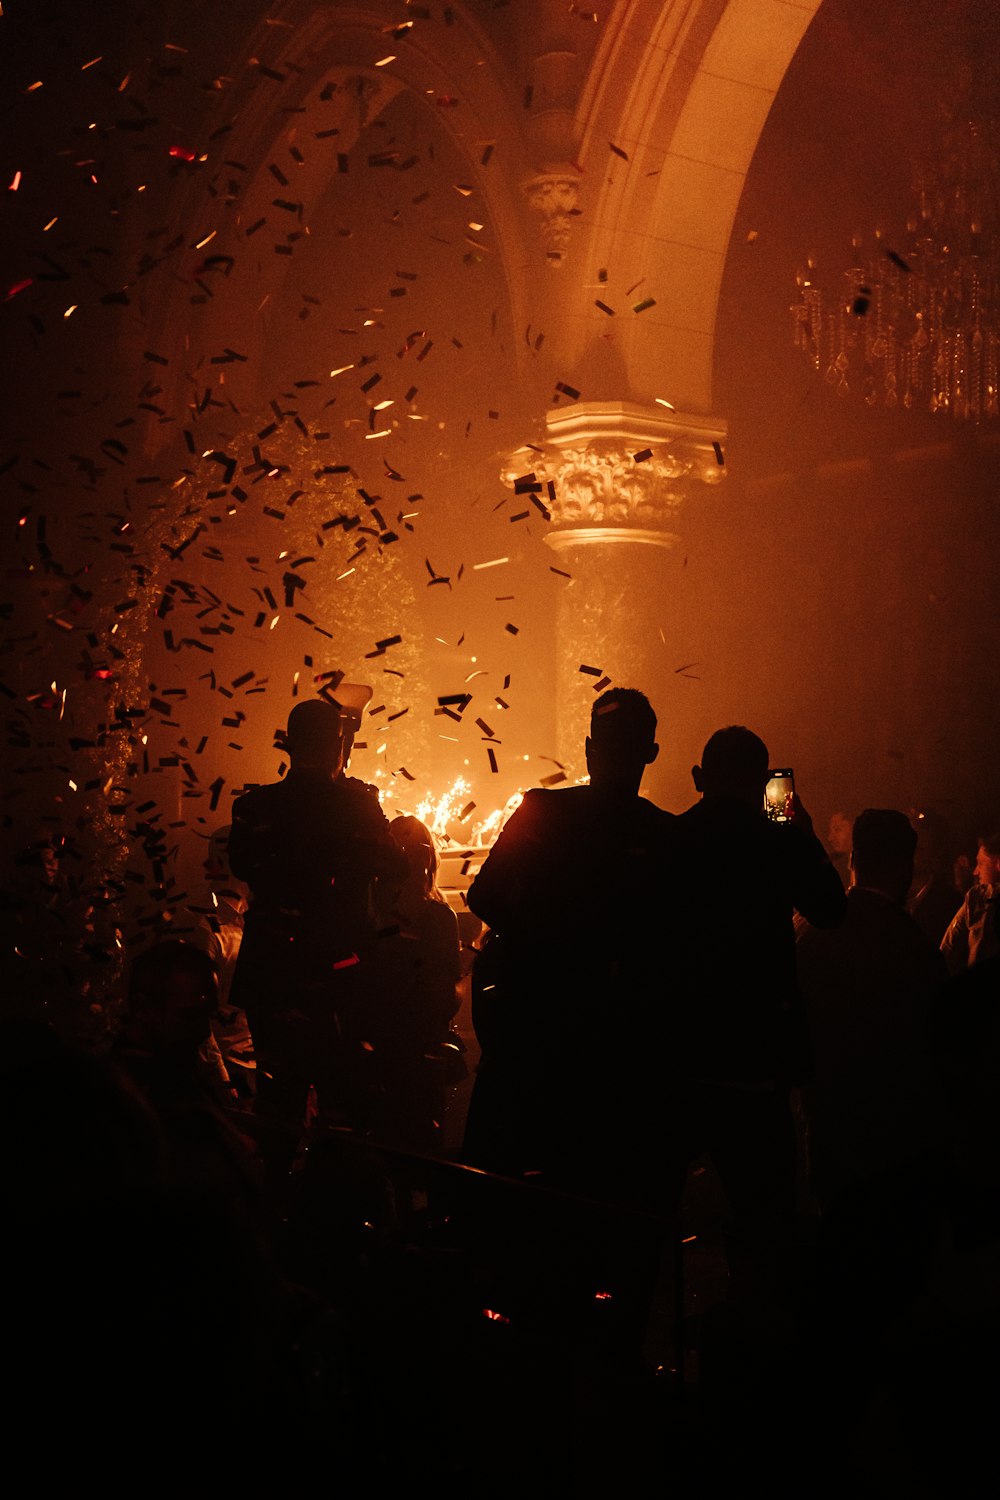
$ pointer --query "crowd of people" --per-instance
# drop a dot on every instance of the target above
(650, 991)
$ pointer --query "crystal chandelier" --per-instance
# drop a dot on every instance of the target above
(917, 322)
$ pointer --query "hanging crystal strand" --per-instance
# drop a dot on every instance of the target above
(808, 315)
(909, 368)
(991, 362)
(841, 362)
(959, 362)
(891, 368)
(936, 352)
(975, 376)
(831, 376)
(939, 389)
(872, 341)
(920, 338)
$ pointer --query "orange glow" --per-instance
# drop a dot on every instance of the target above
(447, 814)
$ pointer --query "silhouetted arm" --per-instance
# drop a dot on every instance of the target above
(510, 890)
(817, 892)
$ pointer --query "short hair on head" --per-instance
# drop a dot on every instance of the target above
(735, 752)
(625, 717)
(881, 834)
(991, 843)
(315, 724)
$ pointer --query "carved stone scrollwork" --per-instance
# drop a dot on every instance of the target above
(619, 473)
(554, 196)
(605, 487)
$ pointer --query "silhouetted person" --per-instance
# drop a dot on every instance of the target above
(140, 1302)
(873, 1109)
(743, 1042)
(311, 848)
(219, 932)
(974, 932)
(172, 996)
(419, 966)
(52, 942)
(838, 844)
(966, 1039)
(934, 897)
(568, 999)
(867, 988)
(161, 1049)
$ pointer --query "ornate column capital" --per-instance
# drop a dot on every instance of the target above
(614, 471)
(554, 196)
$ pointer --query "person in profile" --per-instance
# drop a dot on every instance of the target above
(311, 848)
(567, 996)
(974, 932)
(743, 1041)
(416, 1053)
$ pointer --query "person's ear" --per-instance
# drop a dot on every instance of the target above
(653, 753)
(697, 778)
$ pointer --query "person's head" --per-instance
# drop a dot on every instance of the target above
(883, 846)
(838, 835)
(988, 860)
(172, 995)
(734, 763)
(622, 739)
(417, 843)
(318, 736)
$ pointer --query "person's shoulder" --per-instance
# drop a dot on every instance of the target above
(553, 797)
(361, 790)
(438, 917)
(977, 899)
(540, 804)
(255, 797)
(358, 803)
(711, 818)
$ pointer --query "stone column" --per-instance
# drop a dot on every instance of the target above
(614, 477)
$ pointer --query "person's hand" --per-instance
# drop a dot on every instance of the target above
(799, 815)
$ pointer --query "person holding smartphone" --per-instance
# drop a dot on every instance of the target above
(742, 1041)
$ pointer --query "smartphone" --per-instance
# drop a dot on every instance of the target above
(778, 794)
